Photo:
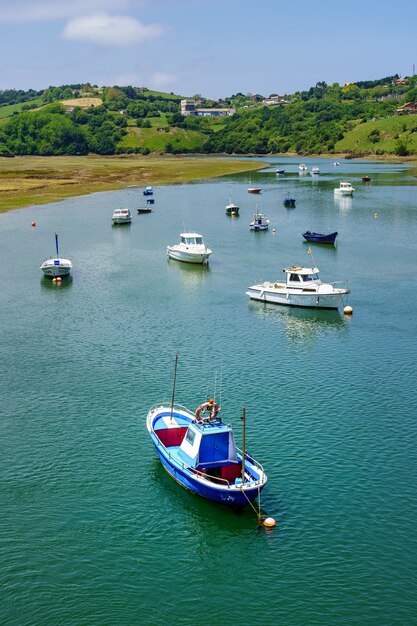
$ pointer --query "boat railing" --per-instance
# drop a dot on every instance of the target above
(251, 460)
(175, 407)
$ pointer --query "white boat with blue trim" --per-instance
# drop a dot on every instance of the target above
(56, 266)
(302, 288)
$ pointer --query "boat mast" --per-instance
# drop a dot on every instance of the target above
(56, 243)
(243, 418)
(173, 386)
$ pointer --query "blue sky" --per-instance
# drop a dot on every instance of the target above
(214, 48)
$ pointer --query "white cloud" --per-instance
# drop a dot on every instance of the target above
(110, 30)
(160, 79)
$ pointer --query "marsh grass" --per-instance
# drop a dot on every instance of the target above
(27, 181)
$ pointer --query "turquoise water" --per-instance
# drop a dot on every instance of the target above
(92, 530)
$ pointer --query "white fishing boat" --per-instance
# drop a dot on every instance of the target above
(121, 216)
(191, 249)
(315, 171)
(345, 189)
(302, 167)
(260, 222)
(302, 288)
(56, 266)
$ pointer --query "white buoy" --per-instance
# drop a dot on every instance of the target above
(273, 230)
(269, 522)
(348, 310)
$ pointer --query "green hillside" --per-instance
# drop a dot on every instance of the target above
(387, 136)
(354, 118)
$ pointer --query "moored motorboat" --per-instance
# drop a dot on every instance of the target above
(366, 179)
(145, 209)
(191, 249)
(254, 189)
(302, 288)
(148, 191)
(56, 266)
(315, 171)
(198, 451)
(121, 216)
(289, 202)
(320, 237)
(280, 171)
(302, 167)
(231, 208)
(260, 222)
(345, 189)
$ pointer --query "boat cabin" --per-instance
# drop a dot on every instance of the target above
(301, 277)
(206, 447)
(191, 239)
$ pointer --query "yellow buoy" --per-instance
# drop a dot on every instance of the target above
(54, 280)
(348, 310)
(375, 215)
(269, 522)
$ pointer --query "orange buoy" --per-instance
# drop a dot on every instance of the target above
(33, 224)
(348, 310)
(269, 522)
(58, 279)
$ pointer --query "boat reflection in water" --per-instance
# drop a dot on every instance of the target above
(302, 324)
(192, 274)
(344, 203)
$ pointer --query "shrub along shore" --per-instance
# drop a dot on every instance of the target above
(28, 181)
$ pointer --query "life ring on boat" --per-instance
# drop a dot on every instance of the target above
(209, 406)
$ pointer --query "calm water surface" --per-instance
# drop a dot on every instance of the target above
(92, 531)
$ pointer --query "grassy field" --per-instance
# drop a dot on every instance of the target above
(83, 103)
(8, 110)
(382, 136)
(26, 181)
(157, 138)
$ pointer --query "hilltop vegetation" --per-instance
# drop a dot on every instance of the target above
(83, 119)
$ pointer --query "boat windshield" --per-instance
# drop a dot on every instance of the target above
(307, 277)
(191, 241)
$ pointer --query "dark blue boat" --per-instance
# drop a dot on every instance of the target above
(289, 202)
(148, 191)
(150, 201)
(319, 237)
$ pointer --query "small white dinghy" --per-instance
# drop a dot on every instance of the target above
(56, 266)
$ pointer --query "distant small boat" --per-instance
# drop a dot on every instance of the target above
(191, 249)
(254, 189)
(315, 171)
(302, 167)
(289, 202)
(260, 222)
(366, 179)
(146, 209)
(148, 191)
(121, 216)
(232, 209)
(56, 266)
(320, 237)
(336, 164)
(150, 201)
(345, 189)
(280, 171)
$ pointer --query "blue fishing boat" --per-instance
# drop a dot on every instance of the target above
(320, 237)
(198, 450)
(150, 201)
(289, 202)
(148, 191)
